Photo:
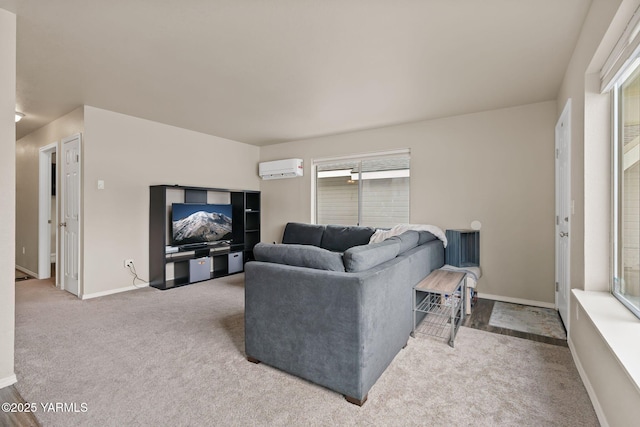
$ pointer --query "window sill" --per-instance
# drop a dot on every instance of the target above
(617, 326)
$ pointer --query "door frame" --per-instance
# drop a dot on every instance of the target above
(44, 212)
(565, 118)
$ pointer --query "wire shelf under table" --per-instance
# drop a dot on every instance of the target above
(437, 319)
(438, 325)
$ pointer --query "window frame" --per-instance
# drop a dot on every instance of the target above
(617, 183)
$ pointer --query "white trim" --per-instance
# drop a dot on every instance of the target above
(7, 381)
(113, 291)
(587, 385)
(27, 271)
(518, 300)
(44, 210)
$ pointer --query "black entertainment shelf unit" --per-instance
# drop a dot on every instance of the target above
(200, 262)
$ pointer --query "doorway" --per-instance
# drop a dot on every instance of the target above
(47, 216)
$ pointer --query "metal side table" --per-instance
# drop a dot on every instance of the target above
(440, 297)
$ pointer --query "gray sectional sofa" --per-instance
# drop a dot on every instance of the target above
(328, 307)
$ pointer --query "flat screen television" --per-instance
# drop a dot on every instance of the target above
(193, 223)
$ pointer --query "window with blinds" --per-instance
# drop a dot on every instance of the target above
(369, 191)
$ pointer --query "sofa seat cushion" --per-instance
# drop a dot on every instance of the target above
(364, 257)
(299, 256)
(339, 238)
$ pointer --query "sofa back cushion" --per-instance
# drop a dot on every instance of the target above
(339, 238)
(303, 234)
(425, 237)
(364, 257)
(299, 256)
(408, 240)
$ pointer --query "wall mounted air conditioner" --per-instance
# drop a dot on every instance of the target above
(288, 168)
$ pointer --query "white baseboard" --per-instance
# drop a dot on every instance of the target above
(27, 271)
(587, 384)
(518, 300)
(113, 291)
(10, 380)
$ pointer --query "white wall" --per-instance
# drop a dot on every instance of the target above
(27, 183)
(496, 167)
(7, 194)
(130, 154)
(615, 395)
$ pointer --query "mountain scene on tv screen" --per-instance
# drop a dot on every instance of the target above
(202, 227)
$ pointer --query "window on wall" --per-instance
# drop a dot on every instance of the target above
(368, 190)
(626, 181)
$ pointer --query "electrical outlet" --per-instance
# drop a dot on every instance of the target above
(128, 263)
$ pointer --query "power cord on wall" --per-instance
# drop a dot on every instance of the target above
(132, 269)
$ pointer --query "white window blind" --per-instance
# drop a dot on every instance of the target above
(623, 54)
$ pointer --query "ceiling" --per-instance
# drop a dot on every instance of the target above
(264, 72)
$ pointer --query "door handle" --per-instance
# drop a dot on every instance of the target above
(63, 224)
(563, 234)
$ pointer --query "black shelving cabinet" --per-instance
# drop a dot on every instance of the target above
(225, 260)
(252, 222)
(246, 211)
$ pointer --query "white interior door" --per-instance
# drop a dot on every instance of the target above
(70, 215)
(563, 212)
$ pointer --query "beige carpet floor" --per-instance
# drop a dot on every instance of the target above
(175, 358)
